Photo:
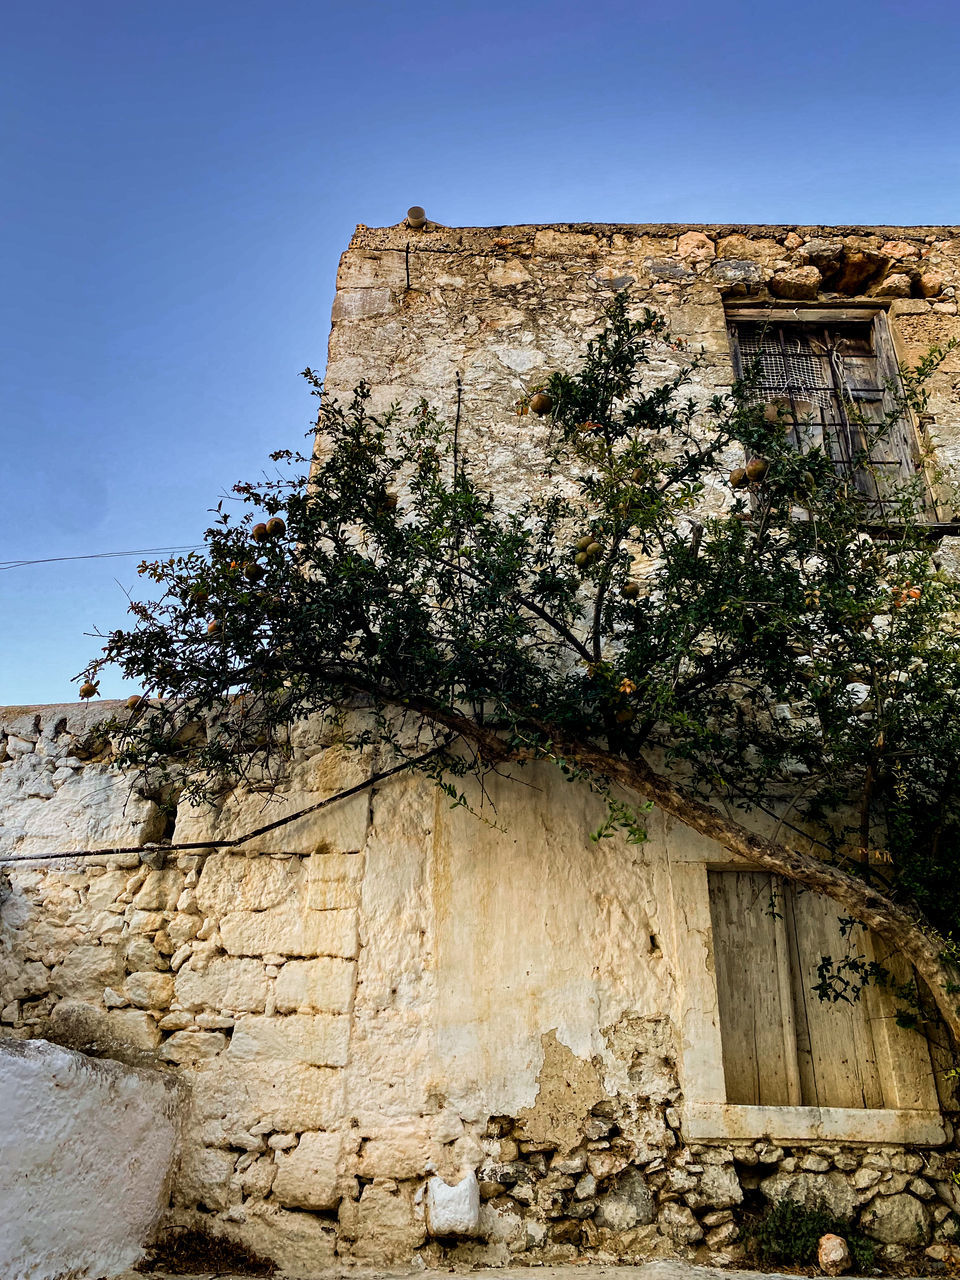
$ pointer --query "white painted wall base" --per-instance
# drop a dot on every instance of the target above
(87, 1148)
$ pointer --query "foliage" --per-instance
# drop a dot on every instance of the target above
(787, 1233)
(754, 643)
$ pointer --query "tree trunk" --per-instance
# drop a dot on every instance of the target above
(905, 933)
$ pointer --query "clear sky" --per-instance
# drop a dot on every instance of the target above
(179, 178)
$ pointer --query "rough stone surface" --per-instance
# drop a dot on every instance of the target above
(807, 1188)
(898, 1219)
(833, 1256)
(799, 283)
(221, 983)
(307, 1176)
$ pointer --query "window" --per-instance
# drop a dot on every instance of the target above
(784, 1046)
(833, 375)
(760, 1054)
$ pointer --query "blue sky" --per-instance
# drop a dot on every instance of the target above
(180, 179)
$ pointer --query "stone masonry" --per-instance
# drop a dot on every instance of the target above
(404, 1033)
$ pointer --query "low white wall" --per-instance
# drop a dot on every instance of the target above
(87, 1148)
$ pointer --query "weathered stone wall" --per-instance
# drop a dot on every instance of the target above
(389, 992)
(506, 306)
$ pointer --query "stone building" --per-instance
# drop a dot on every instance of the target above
(403, 1032)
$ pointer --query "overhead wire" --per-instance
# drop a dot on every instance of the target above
(98, 555)
(197, 845)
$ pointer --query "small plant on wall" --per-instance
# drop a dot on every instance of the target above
(687, 613)
(787, 1233)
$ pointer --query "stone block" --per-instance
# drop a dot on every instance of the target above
(324, 985)
(233, 882)
(183, 928)
(224, 983)
(898, 1219)
(798, 283)
(604, 1164)
(550, 243)
(387, 1226)
(105, 889)
(736, 275)
(899, 249)
(85, 971)
(159, 891)
(149, 990)
(629, 1205)
(398, 1151)
(719, 1187)
(20, 981)
(145, 921)
(330, 895)
(290, 930)
(667, 269)
(362, 304)
(694, 246)
(896, 285)
(328, 865)
(808, 1188)
(722, 1236)
(290, 1096)
(320, 1039)
(140, 953)
(259, 1177)
(123, 1034)
(679, 1222)
(365, 271)
(204, 1177)
(134, 1028)
(302, 1245)
(192, 1046)
(307, 1176)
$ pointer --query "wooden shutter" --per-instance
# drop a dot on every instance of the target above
(901, 441)
(750, 953)
(783, 1045)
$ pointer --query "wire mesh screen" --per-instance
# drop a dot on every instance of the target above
(784, 366)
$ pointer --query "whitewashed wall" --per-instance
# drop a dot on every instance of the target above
(88, 1148)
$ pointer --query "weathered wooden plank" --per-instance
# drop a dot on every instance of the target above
(841, 1068)
(903, 1055)
(757, 1067)
(902, 441)
(746, 312)
(787, 1004)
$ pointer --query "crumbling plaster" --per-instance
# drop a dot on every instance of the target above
(391, 990)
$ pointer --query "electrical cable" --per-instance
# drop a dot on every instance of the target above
(97, 555)
(197, 845)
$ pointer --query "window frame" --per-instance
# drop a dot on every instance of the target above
(876, 314)
(707, 1116)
